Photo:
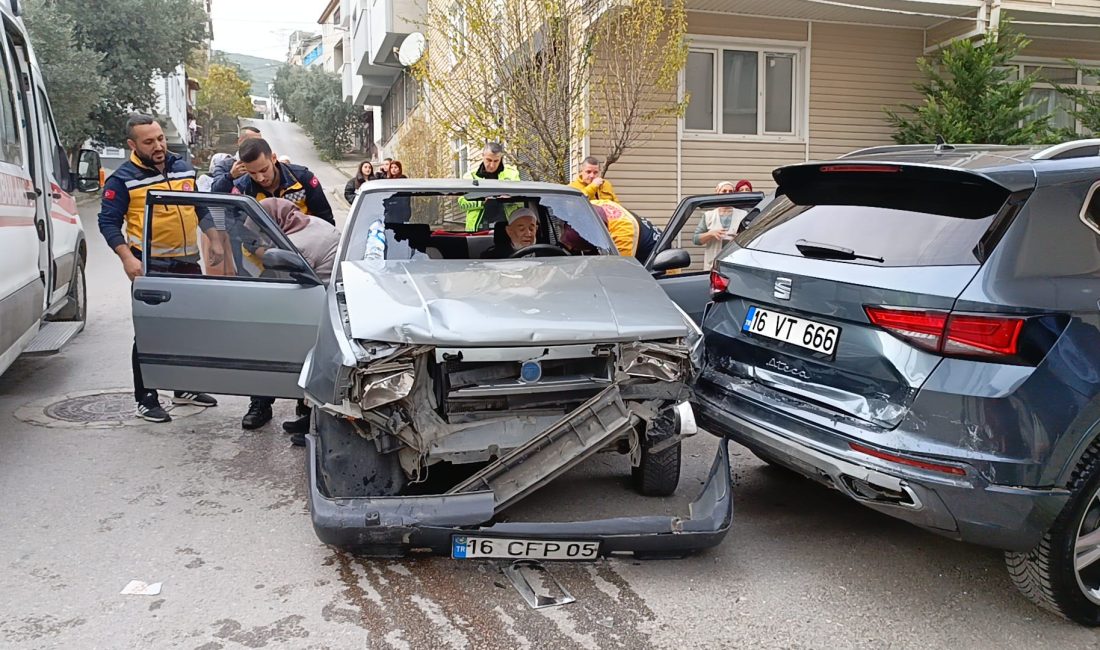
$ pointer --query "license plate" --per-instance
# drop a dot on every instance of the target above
(468, 548)
(796, 331)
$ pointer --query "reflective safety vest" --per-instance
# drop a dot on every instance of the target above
(298, 185)
(122, 215)
(633, 236)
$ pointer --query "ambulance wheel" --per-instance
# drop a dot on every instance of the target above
(76, 304)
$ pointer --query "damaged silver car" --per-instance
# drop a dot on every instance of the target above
(452, 372)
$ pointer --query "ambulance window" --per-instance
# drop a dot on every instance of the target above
(11, 149)
(54, 153)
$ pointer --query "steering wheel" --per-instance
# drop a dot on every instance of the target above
(553, 251)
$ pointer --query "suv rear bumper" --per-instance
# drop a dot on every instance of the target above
(967, 507)
(396, 526)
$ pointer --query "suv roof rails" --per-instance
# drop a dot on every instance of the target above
(1072, 149)
(888, 148)
(929, 148)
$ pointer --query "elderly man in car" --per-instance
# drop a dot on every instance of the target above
(520, 232)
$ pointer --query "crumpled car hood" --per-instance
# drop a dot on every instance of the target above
(507, 302)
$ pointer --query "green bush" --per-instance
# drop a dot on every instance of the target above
(313, 98)
(972, 96)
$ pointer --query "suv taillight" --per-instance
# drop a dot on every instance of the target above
(718, 284)
(961, 335)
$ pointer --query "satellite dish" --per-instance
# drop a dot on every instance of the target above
(411, 49)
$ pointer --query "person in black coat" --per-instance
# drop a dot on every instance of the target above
(364, 174)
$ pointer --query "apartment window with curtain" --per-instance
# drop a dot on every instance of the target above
(748, 91)
(1046, 97)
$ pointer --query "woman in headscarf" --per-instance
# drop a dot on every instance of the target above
(315, 238)
(718, 226)
(364, 174)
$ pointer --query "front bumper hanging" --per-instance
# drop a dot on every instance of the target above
(396, 526)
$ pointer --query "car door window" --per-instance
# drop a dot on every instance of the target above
(700, 232)
(213, 236)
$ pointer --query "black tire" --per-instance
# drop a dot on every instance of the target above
(349, 465)
(76, 306)
(1047, 574)
(658, 473)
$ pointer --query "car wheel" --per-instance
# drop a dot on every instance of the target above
(658, 470)
(350, 465)
(76, 305)
(1062, 573)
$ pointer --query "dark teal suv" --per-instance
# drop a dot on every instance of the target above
(919, 328)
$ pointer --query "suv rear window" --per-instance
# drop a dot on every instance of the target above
(919, 218)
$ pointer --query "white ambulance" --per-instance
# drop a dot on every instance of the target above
(43, 302)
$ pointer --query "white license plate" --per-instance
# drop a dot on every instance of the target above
(796, 331)
(468, 548)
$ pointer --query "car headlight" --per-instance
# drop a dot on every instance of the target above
(662, 361)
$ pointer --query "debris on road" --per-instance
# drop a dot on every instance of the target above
(521, 573)
(139, 588)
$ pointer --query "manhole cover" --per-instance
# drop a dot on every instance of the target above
(104, 407)
(94, 410)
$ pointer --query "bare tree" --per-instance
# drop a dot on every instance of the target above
(523, 72)
(424, 150)
(641, 48)
(513, 71)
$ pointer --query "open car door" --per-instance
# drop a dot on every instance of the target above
(226, 305)
(689, 286)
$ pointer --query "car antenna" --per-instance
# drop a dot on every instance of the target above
(476, 184)
(941, 144)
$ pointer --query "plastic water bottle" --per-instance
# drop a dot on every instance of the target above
(376, 241)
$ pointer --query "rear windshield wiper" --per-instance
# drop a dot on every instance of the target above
(830, 252)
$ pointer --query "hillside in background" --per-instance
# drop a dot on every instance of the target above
(260, 71)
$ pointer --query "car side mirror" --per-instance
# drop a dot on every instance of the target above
(87, 171)
(276, 259)
(672, 258)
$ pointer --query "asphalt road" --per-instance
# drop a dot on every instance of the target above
(218, 516)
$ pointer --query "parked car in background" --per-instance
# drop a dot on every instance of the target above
(434, 347)
(919, 328)
(43, 302)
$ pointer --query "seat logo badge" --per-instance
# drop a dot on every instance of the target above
(530, 372)
(782, 288)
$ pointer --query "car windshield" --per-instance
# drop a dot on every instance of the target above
(477, 224)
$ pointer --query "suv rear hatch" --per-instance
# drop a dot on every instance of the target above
(796, 294)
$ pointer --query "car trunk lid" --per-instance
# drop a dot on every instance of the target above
(836, 243)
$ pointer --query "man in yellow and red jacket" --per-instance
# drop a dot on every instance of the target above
(591, 182)
(174, 242)
(268, 177)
